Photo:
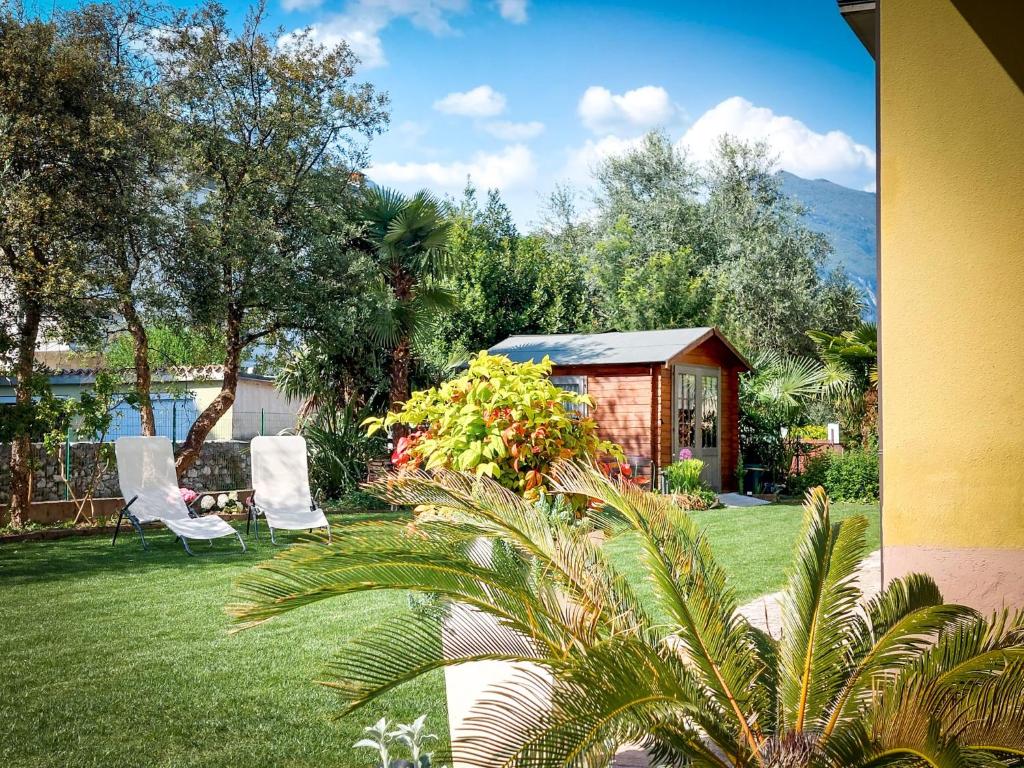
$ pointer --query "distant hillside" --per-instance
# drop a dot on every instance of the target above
(847, 217)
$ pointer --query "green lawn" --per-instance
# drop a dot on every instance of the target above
(116, 658)
(755, 545)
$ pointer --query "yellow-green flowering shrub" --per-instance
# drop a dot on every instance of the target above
(502, 419)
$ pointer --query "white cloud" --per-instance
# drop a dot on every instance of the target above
(871, 187)
(482, 101)
(582, 160)
(513, 10)
(509, 131)
(640, 109)
(511, 167)
(362, 22)
(300, 5)
(800, 150)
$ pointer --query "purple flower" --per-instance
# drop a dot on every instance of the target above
(685, 454)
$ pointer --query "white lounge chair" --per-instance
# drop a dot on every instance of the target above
(280, 485)
(145, 472)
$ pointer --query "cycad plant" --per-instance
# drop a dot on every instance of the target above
(902, 680)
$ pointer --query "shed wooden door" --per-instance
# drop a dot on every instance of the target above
(696, 422)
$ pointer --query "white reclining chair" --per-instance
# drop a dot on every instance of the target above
(280, 485)
(145, 472)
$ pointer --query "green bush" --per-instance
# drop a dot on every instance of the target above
(684, 476)
(339, 451)
(501, 419)
(849, 476)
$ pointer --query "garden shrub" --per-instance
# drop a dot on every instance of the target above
(501, 419)
(339, 451)
(849, 476)
(695, 500)
(684, 476)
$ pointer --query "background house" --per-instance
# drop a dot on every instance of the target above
(654, 392)
(951, 279)
(180, 394)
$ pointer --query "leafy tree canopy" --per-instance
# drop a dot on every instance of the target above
(505, 283)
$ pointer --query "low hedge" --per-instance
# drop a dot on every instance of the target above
(849, 476)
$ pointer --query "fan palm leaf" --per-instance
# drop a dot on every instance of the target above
(901, 680)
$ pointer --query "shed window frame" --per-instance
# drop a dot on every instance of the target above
(575, 384)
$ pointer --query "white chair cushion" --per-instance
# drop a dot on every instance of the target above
(145, 472)
(280, 482)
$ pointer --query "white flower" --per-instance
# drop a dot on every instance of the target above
(222, 500)
(233, 496)
(207, 503)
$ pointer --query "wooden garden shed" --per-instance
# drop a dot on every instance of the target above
(654, 392)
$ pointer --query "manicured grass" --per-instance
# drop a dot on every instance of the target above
(754, 545)
(115, 657)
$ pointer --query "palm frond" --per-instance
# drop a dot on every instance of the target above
(897, 625)
(819, 616)
(690, 586)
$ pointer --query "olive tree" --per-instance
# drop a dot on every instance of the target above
(61, 139)
(268, 129)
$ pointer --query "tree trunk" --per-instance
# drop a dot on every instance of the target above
(143, 375)
(399, 391)
(193, 445)
(21, 448)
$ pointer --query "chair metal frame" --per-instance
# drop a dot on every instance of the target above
(137, 525)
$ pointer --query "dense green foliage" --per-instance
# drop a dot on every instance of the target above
(670, 245)
(703, 686)
(498, 419)
(851, 367)
(339, 450)
(848, 476)
(64, 140)
(506, 283)
(168, 345)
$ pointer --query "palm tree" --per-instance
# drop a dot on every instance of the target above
(786, 382)
(851, 375)
(903, 680)
(408, 238)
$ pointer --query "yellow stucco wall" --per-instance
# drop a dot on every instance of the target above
(952, 276)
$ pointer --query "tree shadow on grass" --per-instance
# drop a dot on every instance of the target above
(85, 556)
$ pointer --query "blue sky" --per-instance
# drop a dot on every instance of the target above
(522, 94)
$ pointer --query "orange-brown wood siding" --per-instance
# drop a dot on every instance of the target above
(625, 399)
(622, 403)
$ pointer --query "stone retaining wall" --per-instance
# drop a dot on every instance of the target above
(223, 465)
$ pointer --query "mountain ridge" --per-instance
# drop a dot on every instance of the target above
(848, 218)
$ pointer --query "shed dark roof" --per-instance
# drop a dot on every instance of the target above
(609, 348)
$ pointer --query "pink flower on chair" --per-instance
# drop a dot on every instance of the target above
(685, 454)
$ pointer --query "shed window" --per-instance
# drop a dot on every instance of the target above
(575, 384)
